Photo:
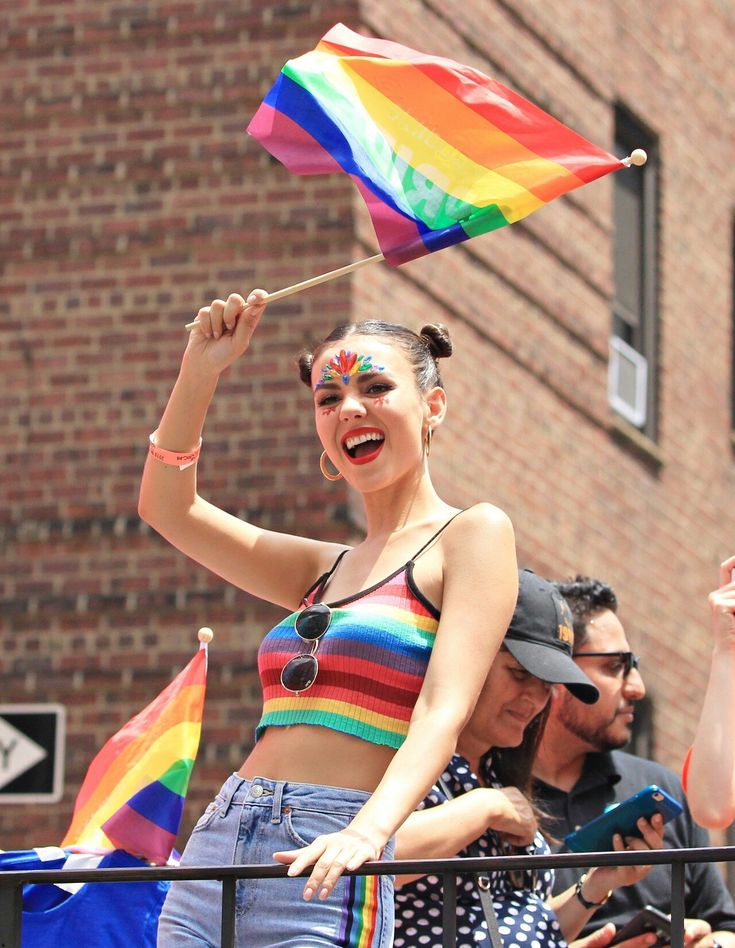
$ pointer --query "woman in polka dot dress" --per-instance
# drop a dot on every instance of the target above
(482, 798)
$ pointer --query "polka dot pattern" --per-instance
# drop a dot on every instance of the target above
(524, 920)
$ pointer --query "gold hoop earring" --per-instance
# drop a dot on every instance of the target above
(323, 468)
(427, 441)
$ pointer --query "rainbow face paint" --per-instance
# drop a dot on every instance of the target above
(344, 365)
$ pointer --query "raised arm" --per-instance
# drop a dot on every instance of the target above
(276, 567)
(480, 590)
(710, 781)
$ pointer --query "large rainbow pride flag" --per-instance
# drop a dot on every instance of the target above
(132, 797)
(439, 151)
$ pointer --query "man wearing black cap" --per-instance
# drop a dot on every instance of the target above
(483, 793)
(580, 771)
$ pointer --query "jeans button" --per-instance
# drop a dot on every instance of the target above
(256, 791)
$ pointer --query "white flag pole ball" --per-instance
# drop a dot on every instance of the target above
(205, 635)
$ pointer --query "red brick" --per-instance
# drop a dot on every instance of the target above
(130, 195)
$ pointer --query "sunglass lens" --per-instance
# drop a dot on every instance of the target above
(313, 621)
(299, 673)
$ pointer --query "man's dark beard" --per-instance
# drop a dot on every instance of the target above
(593, 734)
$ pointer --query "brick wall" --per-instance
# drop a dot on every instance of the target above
(131, 196)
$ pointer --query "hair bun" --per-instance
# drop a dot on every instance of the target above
(436, 337)
(305, 362)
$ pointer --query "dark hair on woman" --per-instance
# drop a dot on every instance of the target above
(586, 597)
(423, 349)
(513, 766)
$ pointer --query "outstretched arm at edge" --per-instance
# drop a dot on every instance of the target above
(710, 778)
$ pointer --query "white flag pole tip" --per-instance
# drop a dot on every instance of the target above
(637, 157)
(205, 635)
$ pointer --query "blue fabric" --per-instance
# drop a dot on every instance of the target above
(159, 805)
(245, 824)
(104, 915)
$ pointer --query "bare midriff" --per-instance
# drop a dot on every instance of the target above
(303, 753)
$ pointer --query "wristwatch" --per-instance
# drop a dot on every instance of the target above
(586, 902)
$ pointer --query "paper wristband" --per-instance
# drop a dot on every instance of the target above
(180, 459)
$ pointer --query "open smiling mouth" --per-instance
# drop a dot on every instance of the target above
(363, 445)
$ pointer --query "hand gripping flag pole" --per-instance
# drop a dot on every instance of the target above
(439, 151)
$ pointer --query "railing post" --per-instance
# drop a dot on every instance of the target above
(677, 904)
(449, 910)
(227, 939)
(11, 909)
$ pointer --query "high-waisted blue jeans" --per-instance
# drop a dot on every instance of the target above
(246, 823)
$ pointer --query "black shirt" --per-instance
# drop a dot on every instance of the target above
(610, 778)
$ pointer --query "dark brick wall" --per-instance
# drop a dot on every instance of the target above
(131, 196)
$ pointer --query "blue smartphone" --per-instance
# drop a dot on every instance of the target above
(596, 836)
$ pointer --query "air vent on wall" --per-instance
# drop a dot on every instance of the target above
(627, 380)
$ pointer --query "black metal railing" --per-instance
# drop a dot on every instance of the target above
(11, 883)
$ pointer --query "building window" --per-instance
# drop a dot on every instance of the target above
(632, 378)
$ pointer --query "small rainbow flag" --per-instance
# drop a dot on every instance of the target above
(439, 151)
(133, 794)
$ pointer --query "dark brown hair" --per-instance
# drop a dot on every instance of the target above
(423, 349)
(513, 766)
(587, 597)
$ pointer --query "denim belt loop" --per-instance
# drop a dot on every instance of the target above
(235, 781)
(277, 797)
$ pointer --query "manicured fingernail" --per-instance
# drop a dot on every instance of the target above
(216, 334)
(324, 893)
(253, 298)
(308, 892)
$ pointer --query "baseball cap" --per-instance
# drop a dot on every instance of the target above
(541, 638)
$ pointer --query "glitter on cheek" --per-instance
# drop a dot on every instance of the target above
(329, 410)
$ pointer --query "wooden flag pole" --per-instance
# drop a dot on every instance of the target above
(314, 281)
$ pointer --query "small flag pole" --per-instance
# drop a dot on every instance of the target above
(314, 281)
(637, 157)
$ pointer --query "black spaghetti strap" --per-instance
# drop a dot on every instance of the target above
(321, 584)
(438, 532)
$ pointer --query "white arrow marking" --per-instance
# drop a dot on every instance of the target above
(18, 753)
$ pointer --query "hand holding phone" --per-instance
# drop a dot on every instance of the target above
(622, 818)
(649, 919)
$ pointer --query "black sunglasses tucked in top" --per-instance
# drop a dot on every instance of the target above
(628, 661)
(299, 673)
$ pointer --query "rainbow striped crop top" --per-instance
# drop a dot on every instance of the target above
(372, 660)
